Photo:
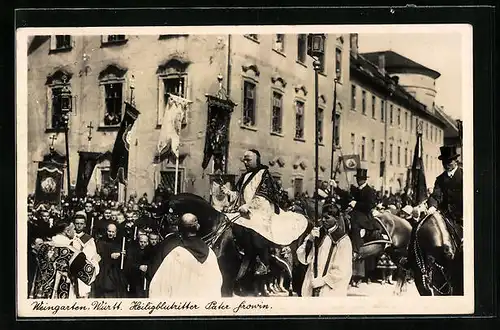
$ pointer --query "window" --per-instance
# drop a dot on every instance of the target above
(391, 114)
(399, 156)
(254, 37)
(353, 97)
(279, 43)
(382, 151)
(249, 100)
(167, 180)
(113, 103)
(374, 102)
(399, 117)
(406, 157)
(322, 64)
(338, 63)
(55, 103)
(390, 154)
(60, 42)
(113, 39)
(301, 48)
(173, 85)
(56, 120)
(277, 115)
(363, 143)
(298, 186)
(411, 123)
(337, 130)
(406, 120)
(363, 102)
(382, 110)
(172, 79)
(105, 177)
(372, 152)
(116, 37)
(321, 115)
(299, 120)
(353, 143)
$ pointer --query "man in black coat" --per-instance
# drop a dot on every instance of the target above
(363, 201)
(448, 189)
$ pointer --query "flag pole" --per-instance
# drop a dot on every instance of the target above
(176, 175)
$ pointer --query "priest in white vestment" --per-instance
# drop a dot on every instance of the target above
(86, 244)
(184, 266)
(327, 251)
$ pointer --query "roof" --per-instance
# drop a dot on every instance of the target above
(396, 63)
(368, 71)
(450, 122)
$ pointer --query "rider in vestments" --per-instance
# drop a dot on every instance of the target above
(328, 249)
(60, 266)
(256, 193)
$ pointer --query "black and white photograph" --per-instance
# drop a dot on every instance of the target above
(246, 170)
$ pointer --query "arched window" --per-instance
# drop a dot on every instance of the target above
(172, 79)
(113, 90)
(55, 84)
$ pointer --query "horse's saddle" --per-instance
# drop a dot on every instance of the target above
(378, 234)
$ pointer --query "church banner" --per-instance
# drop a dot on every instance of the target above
(49, 183)
(86, 165)
(119, 158)
(351, 162)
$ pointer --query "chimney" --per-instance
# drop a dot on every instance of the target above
(353, 38)
(381, 63)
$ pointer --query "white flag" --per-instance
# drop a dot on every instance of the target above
(173, 119)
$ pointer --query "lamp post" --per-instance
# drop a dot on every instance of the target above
(392, 87)
(66, 99)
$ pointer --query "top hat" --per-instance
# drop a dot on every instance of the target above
(448, 153)
(361, 173)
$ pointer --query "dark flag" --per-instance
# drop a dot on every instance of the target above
(88, 161)
(119, 158)
(418, 184)
(49, 183)
(351, 162)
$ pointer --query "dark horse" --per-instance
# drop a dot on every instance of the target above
(436, 256)
(224, 237)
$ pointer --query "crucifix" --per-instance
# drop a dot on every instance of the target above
(53, 138)
(90, 135)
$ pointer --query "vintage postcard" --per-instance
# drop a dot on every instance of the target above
(244, 171)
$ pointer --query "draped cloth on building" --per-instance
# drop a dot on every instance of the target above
(217, 134)
(60, 265)
(184, 267)
(258, 191)
(86, 165)
(173, 120)
(120, 155)
(49, 183)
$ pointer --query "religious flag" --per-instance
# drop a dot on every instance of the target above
(119, 158)
(49, 183)
(174, 119)
(88, 161)
(351, 162)
(418, 184)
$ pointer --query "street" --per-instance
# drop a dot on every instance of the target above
(376, 289)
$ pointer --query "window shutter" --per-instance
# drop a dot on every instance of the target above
(53, 42)
(160, 107)
(104, 38)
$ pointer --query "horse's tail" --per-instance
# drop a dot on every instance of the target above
(401, 282)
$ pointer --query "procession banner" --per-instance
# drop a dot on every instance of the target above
(49, 183)
(174, 119)
(351, 162)
(86, 165)
(119, 158)
(418, 183)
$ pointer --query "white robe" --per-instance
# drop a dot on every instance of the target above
(281, 229)
(339, 271)
(90, 250)
(181, 275)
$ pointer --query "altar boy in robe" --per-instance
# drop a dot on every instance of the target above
(330, 249)
(185, 266)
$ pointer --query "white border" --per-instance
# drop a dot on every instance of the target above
(278, 306)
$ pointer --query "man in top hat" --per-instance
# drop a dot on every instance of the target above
(363, 202)
(448, 189)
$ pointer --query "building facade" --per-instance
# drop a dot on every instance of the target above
(270, 78)
(381, 122)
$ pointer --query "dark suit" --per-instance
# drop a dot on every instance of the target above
(447, 195)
